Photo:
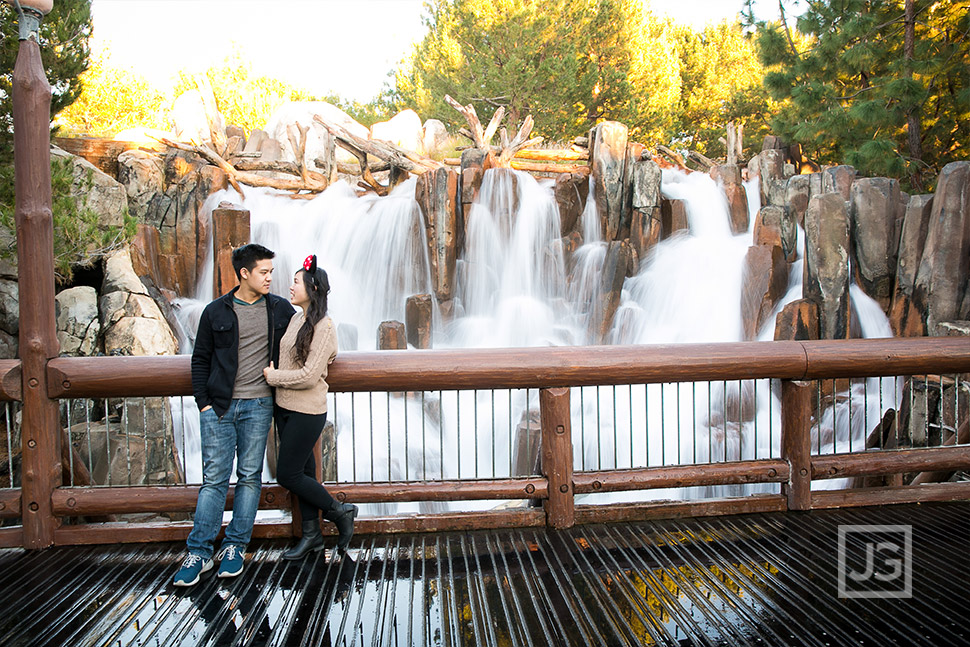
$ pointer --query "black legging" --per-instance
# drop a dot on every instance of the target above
(295, 467)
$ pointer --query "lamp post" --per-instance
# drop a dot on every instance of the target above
(40, 427)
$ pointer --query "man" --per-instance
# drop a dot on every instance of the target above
(239, 334)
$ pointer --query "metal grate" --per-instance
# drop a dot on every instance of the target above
(768, 579)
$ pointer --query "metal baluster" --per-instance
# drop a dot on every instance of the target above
(710, 427)
(629, 388)
(441, 436)
(679, 439)
(663, 427)
(407, 441)
(370, 424)
(616, 438)
(458, 429)
(424, 440)
(599, 434)
(582, 426)
(107, 440)
(475, 415)
(693, 408)
(492, 392)
(7, 407)
(353, 435)
(646, 422)
(724, 415)
(388, 399)
(70, 454)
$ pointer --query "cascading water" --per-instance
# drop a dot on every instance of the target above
(514, 288)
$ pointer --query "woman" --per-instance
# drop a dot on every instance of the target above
(306, 350)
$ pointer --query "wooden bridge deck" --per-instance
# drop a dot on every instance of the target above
(765, 579)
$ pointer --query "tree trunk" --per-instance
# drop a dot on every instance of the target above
(913, 135)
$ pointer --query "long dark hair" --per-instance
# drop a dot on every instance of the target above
(317, 285)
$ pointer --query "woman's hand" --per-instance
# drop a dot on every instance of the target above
(267, 370)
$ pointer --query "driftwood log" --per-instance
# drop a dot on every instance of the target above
(400, 160)
(481, 138)
(237, 175)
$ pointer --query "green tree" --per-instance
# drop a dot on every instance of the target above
(243, 97)
(113, 98)
(882, 84)
(568, 63)
(721, 81)
(63, 39)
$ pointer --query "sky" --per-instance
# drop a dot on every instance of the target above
(346, 47)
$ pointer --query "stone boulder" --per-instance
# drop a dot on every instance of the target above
(434, 137)
(403, 129)
(797, 193)
(646, 223)
(318, 139)
(776, 226)
(729, 177)
(133, 324)
(95, 190)
(797, 321)
(941, 281)
(188, 116)
(9, 318)
(826, 268)
(904, 317)
(172, 204)
(771, 171)
(764, 281)
(571, 191)
(607, 160)
(9, 307)
(78, 327)
(838, 179)
(142, 175)
(873, 211)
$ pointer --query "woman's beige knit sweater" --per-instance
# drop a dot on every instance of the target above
(304, 388)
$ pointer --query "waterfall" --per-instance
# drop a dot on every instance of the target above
(515, 287)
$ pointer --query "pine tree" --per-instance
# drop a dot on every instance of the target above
(568, 63)
(882, 85)
(63, 40)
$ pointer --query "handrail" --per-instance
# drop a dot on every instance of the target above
(10, 380)
(563, 366)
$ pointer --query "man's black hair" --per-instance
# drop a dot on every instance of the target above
(247, 256)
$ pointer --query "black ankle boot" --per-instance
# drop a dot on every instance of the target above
(312, 540)
(342, 514)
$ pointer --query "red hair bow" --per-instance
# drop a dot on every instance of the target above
(310, 263)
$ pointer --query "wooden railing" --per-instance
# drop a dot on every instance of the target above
(552, 371)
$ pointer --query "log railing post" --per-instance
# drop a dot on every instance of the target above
(40, 429)
(557, 457)
(796, 415)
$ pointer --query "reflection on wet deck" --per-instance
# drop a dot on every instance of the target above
(767, 579)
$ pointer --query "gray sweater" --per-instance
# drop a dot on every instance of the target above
(304, 388)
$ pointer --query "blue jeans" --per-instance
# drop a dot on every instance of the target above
(240, 434)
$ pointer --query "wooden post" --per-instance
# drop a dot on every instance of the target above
(391, 336)
(796, 414)
(557, 457)
(41, 434)
(417, 311)
(230, 229)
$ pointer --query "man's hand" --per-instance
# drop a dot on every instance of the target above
(206, 408)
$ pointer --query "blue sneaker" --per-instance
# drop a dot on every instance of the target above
(193, 566)
(230, 561)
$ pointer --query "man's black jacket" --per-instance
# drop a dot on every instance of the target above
(215, 357)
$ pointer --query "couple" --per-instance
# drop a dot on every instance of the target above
(242, 337)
